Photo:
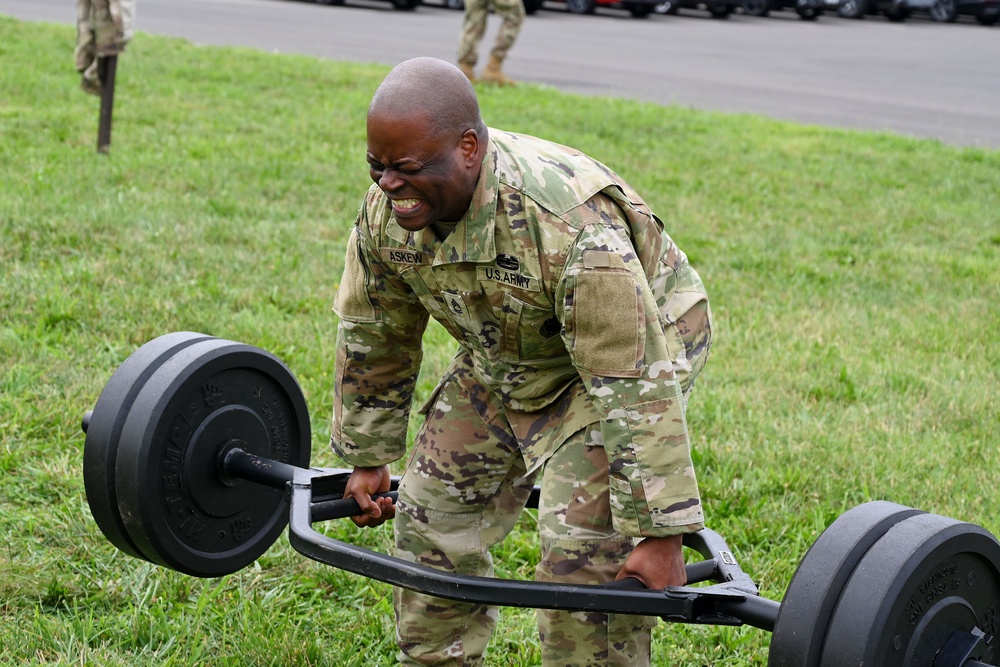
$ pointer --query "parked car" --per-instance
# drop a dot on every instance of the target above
(530, 6)
(719, 9)
(638, 8)
(894, 10)
(808, 10)
(398, 4)
(986, 12)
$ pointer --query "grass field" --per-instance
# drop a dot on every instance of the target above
(855, 280)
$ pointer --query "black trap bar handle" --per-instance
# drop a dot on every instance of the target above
(234, 462)
(314, 497)
(317, 495)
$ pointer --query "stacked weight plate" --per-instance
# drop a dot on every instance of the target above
(151, 456)
(888, 585)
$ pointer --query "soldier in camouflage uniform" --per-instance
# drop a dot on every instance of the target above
(103, 29)
(581, 328)
(473, 29)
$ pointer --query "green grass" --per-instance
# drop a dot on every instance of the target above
(854, 278)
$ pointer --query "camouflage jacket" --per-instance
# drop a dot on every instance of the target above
(565, 291)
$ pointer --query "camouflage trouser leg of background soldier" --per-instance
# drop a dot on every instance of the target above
(474, 27)
(103, 27)
(512, 13)
(462, 493)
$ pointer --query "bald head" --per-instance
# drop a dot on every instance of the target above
(426, 142)
(434, 89)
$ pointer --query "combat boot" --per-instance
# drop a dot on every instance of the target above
(468, 69)
(494, 73)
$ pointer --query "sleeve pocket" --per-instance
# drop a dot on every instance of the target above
(652, 482)
(355, 300)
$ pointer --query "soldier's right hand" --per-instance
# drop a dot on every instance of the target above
(362, 485)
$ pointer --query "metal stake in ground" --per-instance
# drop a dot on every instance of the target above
(106, 68)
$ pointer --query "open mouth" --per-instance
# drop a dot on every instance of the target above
(405, 206)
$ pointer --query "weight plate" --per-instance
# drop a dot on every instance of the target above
(100, 447)
(176, 508)
(928, 577)
(809, 601)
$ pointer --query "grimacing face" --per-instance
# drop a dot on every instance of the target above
(427, 178)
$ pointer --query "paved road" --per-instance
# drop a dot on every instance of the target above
(917, 78)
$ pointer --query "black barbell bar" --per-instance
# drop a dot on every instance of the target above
(234, 461)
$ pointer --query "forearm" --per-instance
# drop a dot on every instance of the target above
(378, 354)
(375, 378)
(654, 491)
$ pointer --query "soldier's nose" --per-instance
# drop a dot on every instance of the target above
(390, 180)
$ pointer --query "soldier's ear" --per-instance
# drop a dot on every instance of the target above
(469, 145)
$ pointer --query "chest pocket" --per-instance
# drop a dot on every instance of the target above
(529, 334)
(461, 312)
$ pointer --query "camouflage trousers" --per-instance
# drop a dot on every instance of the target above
(104, 28)
(474, 27)
(463, 489)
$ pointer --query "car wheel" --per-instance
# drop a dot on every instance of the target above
(898, 12)
(406, 5)
(756, 7)
(668, 7)
(531, 6)
(944, 11)
(639, 9)
(719, 10)
(987, 20)
(853, 9)
(580, 6)
(808, 10)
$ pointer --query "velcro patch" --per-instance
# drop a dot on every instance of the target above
(404, 256)
(602, 259)
(607, 313)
